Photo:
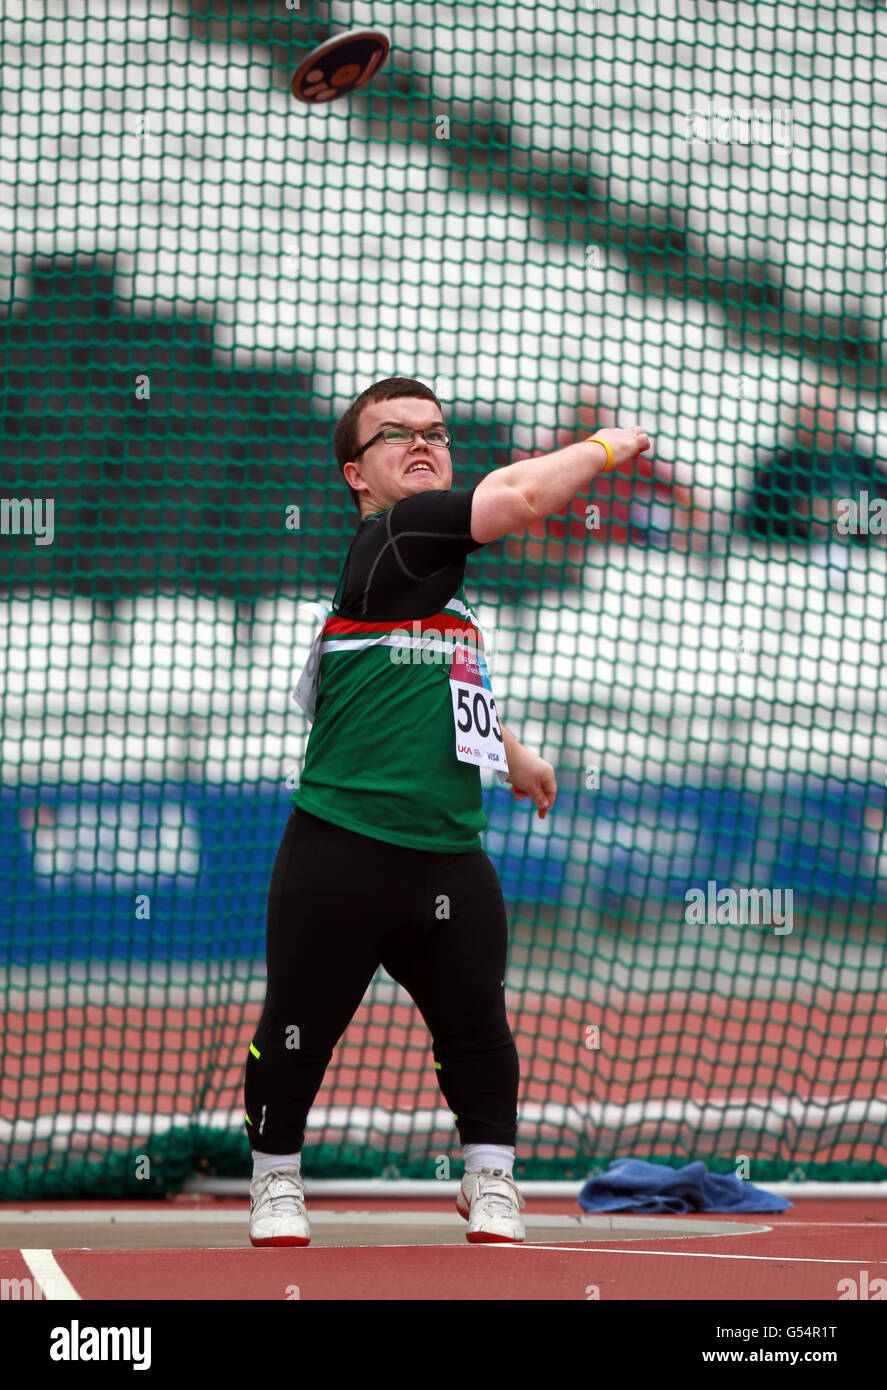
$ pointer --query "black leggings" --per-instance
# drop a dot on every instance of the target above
(341, 904)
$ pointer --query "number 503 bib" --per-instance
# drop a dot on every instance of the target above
(477, 730)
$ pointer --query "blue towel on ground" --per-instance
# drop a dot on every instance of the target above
(632, 1185)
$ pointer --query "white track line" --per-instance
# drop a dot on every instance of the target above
(685, 1254)
(118, 1216)
(388, 1188)
(661, 1228)
(863, 1225)
(57, 1286)
(46, 1270)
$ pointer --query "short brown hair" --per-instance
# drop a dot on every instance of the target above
(345, 439)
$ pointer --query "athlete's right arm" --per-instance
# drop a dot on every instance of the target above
(511, 499)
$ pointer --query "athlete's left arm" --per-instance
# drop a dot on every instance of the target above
(529, 774)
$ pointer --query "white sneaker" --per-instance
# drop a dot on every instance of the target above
(490, 1202)
(277, 1209)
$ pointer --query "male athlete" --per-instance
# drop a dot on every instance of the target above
(381, 860)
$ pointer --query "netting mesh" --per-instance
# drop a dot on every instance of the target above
(559, 217)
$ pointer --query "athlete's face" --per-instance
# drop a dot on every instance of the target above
(388, 472)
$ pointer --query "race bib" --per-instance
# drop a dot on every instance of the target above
(478, 735)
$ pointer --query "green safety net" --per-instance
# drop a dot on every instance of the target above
(560, 217)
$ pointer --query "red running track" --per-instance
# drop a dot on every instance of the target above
(808, 1254)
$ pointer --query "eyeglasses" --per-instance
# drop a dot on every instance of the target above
(401, 434)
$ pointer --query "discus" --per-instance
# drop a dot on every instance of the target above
(339, 66)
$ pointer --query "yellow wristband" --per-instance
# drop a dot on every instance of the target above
(610, 465)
